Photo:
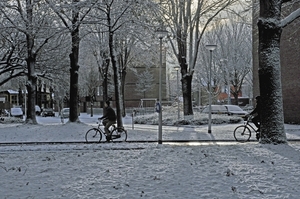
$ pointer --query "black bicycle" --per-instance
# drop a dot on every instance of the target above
(95, 134)
(242, 133)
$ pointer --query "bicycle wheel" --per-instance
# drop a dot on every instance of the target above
(120, 134)
(93, 135)
(242, 133)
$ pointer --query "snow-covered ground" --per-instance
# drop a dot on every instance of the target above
(144, 170)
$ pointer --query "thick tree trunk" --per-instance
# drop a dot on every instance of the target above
(187, 96)
(186, 76)
(31, 60)
(31, 89)
(272, 120)
(73, 117)
(116, 77)
(73, 87)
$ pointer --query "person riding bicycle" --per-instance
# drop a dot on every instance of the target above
(109, 118)
(256, 114)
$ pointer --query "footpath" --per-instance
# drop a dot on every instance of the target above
(51, 129)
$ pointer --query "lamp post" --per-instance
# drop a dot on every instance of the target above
(178, 110)
(211, 48)
(161, 33)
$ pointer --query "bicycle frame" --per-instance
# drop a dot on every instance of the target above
(247, 123)
(111, 128)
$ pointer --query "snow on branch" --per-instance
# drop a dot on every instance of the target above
(290, 18)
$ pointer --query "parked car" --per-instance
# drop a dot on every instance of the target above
(65, 112)
(236, 110)
(48, 112)
(215, 109)
(226, 109)
(16, 112)
(37, 110)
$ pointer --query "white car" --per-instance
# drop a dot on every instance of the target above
(16, 112)
(215, 109)
(236, 110)
(37, 110)
(226, 109)
(65, 112)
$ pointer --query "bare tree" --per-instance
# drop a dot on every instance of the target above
(72, 14)
(30, 21)
(235, 42)
(12, 60)
(188, 20)
(270, 25)
(118, 22)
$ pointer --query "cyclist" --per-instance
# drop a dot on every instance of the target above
(256, 114)
(109, 118)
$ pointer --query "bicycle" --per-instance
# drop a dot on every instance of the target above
(95, 134)
(242, 133)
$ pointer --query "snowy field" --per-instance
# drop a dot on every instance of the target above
(144, 170)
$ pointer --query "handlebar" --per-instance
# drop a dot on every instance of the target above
(249, 117)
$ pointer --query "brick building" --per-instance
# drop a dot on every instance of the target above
(133, 97)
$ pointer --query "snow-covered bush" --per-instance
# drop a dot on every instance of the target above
(170, 117)
(9, 120)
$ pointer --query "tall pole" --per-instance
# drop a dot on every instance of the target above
(161, 32)
(178, 101)
(160, 111)
(210, 48)
(229, 93)
(25, 101)
(178, 110)
(209, 94)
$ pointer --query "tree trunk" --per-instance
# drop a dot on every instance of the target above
(31, 60)
(73, 117)
(185, 74)
(123, 91)
(187, 96)
(116, 76)
(105, 81)
(272, 120)
(31, 89)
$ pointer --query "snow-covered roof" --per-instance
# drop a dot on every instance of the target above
(9, 91)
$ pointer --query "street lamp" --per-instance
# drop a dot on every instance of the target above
(211, 48)
(161, 33)
(178, 111)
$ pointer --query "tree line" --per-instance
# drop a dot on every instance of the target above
(39, 38)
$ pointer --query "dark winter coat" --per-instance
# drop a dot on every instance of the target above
(109, 113)
(257, 108)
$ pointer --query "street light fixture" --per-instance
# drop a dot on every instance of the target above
(211, 48)
(161, 33)
(178, 110)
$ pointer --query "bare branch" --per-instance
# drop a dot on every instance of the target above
(290, 18)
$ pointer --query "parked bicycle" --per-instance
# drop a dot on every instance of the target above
(95, 134)
(242, 133)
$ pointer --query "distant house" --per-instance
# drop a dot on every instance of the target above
(9, 99)
(13, 98)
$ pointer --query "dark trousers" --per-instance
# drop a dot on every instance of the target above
(255, 120)
(107, 123)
